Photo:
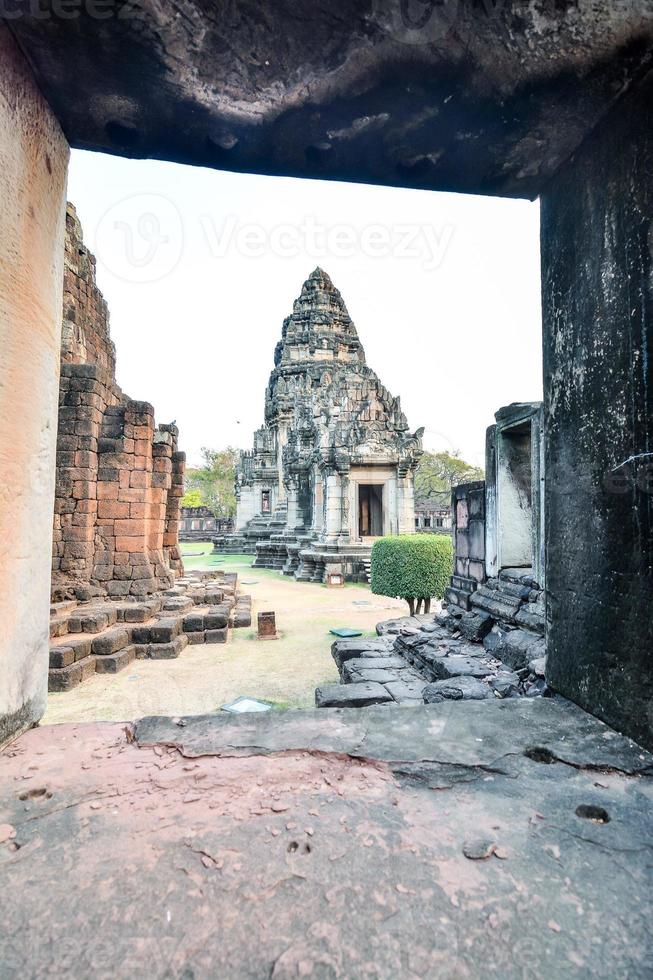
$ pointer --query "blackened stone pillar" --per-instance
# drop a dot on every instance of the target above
(597, 289)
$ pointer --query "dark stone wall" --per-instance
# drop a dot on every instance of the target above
(597, 289)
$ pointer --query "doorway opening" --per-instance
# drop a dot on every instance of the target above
(515, 495)
(370, 510)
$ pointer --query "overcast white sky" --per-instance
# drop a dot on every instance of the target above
(200, 268)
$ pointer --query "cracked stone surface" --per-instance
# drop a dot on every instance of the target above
(450, 840)
(483, 97)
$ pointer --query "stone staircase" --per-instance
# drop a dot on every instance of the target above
(106, 636)
(254, 539)
(451, 656)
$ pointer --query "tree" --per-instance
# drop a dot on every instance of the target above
(437, 473)
(192, 497)
(212, 484)
(412, 567)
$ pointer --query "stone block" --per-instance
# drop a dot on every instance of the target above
(267, 629)
(118, 588)
(517, 648)
(61, 657)
(498, 605)
(167, 651)
(66, 678)
(80, 645)
(460, 688)
(165, 630)
(114, 662)
(196, 638)
(141, 634)
(538, 666)
(110, 642)
(136, 613)
(113, 509)
(363, 647)
(97, 621)
(351, 695)
(382, 675)
(107, 491)
(215, 620)
(407, 692)
(443, 668)
(242, 618)
(505, 684)
(531, 616)
(58, 627)
(130, 544)
(194, 623)
(353, 667)
(216, 635)
(138, 479)
(475, 625)
(213, 597)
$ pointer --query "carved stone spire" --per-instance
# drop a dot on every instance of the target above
(319, 327)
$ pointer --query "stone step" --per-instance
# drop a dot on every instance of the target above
(111, 641)
(66, 678)
(161, 650)
(58, 626)
(242, 618)
(165, 630)
(179, 604)
(92, 619)
(61, 608)
(214, 619)
(352, 695)
(114, 662)
(138, 612)
(499, 606)
(78, 647)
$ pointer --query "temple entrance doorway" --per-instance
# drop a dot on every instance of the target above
(370, 510)
(515, 498)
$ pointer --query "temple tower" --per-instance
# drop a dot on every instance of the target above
(332, 467)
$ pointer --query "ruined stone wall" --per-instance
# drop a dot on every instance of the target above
(119, 476)
(85, 337)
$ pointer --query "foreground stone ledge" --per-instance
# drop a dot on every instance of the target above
(312, 844)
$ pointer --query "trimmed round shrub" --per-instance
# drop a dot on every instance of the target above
(412, 566)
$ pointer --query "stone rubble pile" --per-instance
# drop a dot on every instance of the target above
(494, 650)
(106, 636)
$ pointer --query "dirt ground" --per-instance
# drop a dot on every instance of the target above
(284, 671)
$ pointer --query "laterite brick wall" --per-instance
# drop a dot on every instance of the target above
(119, 475)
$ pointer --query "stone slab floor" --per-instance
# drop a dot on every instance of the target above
(458, 840)
(284, 671)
